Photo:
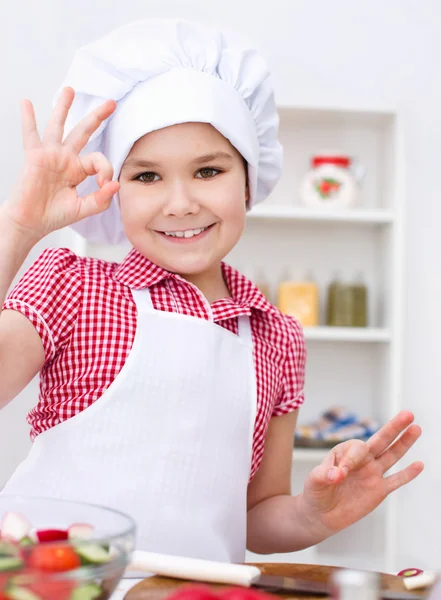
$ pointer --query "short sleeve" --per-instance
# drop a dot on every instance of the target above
(49, 295)
(292, 393)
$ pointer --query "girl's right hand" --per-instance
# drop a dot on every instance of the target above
(45, 197)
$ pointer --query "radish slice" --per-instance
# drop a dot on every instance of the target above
(52, 535)
(409, 572)
(80, 531)
(14, 527)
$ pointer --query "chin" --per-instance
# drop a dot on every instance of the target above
(188, 265)
(195, 267)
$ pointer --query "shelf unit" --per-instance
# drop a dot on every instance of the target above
(359, 368)
(356, 367)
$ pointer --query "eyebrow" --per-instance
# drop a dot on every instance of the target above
(213, 156)
(140, 162)
(148, 164)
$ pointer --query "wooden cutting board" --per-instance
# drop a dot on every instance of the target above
(158, 588)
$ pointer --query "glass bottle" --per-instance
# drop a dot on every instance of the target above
(360, 302)
(339, 311)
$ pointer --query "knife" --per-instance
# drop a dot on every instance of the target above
(195, 569)
(277, 583)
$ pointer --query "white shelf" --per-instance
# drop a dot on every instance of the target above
(298, 213)
(313, 455)
(347, 334)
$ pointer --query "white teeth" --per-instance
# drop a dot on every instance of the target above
(187, 234)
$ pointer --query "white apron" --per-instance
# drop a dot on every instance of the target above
(169, 442)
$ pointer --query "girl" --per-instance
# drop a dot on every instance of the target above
(169, 386)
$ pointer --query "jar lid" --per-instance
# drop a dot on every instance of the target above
(339, 161)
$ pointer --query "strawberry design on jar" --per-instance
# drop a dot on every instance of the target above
(327, 187)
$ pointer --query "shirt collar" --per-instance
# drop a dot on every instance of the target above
(244, 292)
(138, 272)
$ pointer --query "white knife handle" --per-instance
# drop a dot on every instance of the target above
(194, 569)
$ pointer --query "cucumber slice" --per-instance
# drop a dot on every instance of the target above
(92, 554)
(19, 593)
(10, 563)
(26, 541)
(88, 591)
(8, 549)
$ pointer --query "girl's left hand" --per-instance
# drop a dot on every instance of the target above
(350, 482)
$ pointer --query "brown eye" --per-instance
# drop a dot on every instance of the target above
(148, 177)
(207, 173)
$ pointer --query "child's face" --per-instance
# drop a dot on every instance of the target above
(185, 180)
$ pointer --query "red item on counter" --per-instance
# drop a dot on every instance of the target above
(410, 572)
(202, 592)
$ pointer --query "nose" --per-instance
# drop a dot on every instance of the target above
(180, 202)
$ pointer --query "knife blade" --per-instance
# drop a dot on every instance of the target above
(278, 583)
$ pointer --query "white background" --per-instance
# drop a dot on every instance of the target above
(384, 52)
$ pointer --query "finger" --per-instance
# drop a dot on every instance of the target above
(97, 202)
(326, 473)
(97, 164)
(30, 136)
(399, 448)
(388, 433)
(55, 128)
(397, 480)
(80, 134)
(350, 455)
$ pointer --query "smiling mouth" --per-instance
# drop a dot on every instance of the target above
(187, 233)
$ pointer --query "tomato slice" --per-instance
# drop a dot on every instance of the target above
(54, 558)
(194, 592)
(52, 590)
(240, 593)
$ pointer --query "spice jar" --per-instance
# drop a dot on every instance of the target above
(340, 304)
(347, 303)
(300, 299)
(359, 303)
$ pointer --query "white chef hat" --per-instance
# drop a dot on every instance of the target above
(162, 72)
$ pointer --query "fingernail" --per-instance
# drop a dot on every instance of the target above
(345, 470)
(332, 474)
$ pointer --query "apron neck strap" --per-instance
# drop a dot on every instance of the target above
(144, 297)
(245, 329)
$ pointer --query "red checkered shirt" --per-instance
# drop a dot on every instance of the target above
(85, 314)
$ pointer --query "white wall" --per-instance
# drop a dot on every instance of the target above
(340, 52)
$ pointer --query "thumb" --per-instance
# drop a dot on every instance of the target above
(326, 473)
(98, 201)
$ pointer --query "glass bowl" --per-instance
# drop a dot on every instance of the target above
(38, 564)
